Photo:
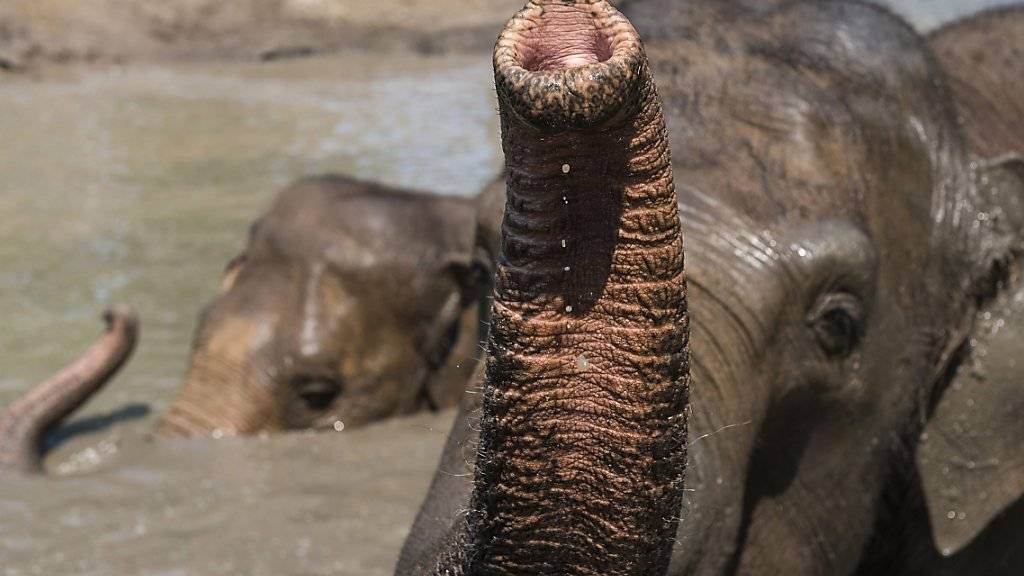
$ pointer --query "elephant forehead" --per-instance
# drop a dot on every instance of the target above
(235, 336)
(361, 240)
(334, 211)
(836, 117)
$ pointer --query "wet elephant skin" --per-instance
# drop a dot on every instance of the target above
(968, 493)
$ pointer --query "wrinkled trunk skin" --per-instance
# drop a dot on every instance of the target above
(583, 435)
(24, 424)
(220, 398)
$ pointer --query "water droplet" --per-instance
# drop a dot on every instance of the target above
(961, 515)
(217, 434)
(582, 363)
(568, 308)
(566, 200)
(563, 242)
(567, 268)
(951, 514)
(339, 426)
(565, 168)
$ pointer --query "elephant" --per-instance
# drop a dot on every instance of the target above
(25, 422)
(351, 302)
(842, 246)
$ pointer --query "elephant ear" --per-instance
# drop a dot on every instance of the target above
(231, 271)
(970, 459)
(455, 325)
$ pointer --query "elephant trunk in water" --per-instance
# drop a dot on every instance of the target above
(25, 422)
(583, 436)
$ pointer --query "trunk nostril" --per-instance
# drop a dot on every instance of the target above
(566, 36)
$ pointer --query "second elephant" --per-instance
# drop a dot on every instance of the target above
(351, 302)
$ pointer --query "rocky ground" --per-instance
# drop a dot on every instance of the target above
(35, 32)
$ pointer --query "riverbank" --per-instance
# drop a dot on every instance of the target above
(38, 32)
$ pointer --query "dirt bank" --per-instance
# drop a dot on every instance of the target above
(44, 31)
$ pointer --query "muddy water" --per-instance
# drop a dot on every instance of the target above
(136, 185)
(300, 504)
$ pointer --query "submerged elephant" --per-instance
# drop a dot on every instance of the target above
(839, 252)
(25, 422)
(351, 302)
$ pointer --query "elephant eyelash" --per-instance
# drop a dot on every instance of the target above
(837, 321)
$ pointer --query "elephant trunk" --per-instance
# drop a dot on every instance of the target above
(583, 435)
(24, 423)
(219, 398)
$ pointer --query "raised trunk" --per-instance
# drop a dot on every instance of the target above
(24, 423)
(583, 436)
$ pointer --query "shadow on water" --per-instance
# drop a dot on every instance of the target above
(94, 424)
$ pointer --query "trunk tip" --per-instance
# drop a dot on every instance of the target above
(122, 317)
(565, 65)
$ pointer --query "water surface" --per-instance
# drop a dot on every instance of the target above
(137, 185)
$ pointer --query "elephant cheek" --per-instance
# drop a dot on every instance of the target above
(713, 504)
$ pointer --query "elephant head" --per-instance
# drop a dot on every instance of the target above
(839, 253)
(350, 303)
(25, 422)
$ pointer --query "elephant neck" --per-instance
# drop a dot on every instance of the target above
(583, 435)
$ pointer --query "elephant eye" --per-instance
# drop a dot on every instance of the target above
(317, 394)
(837, 323)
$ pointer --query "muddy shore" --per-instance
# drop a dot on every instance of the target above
(37, 32)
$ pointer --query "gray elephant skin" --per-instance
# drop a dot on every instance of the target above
(970, 451)
(843, 246)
